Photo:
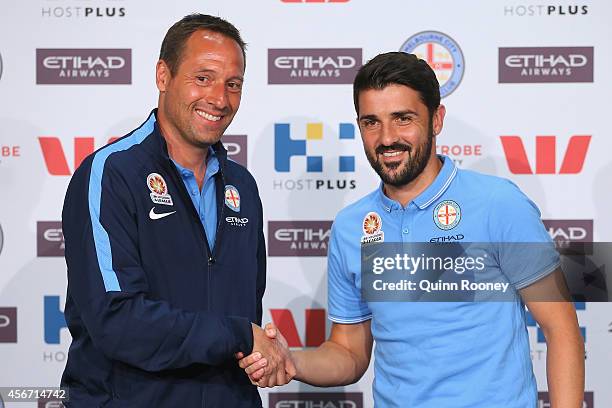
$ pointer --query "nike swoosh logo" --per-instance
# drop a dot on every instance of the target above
(155, 216)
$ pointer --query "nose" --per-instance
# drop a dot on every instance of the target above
(388, 135)
(217, 96)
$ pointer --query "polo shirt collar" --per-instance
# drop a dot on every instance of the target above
(212, 165)
(431, 194)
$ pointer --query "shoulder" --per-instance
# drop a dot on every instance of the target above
(236, 170)
(121, 153)
(357, 210)
(491, 189)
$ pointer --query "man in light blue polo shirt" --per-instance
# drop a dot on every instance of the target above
(436, 354)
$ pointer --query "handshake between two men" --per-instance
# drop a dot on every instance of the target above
(271, 363)
(341, 360)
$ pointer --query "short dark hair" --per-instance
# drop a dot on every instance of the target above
(399, 68)
(174, 42)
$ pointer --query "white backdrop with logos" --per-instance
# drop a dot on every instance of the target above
(525, 90)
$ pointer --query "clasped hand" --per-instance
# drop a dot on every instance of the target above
(270, 364)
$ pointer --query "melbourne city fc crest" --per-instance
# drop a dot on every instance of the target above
(232, 198)
(442, 54)
(159, 189)
(372, 228)
(447, 214)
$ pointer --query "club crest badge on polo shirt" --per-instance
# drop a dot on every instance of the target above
(159, 189)
(447, 214)
(232, 198)
(372, 228)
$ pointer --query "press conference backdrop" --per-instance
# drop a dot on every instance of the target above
(527, 93)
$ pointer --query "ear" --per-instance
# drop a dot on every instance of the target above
(162, 75)
(438, 120)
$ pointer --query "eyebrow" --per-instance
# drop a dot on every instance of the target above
(368, 117)
(212, 71)
(403, 113)
(396, 114)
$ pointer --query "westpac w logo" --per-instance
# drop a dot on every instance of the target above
(546, 153)
(285, 147)
(55, 157)
(315, 327)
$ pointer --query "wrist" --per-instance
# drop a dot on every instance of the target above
(298, 362)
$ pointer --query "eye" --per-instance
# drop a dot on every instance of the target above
(203, 79)
(234, 86)
(368, 123)
(404, 119)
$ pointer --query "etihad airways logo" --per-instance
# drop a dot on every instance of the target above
(313, 65)
(298, 238)
(545, 64)
(545, 155)
(49, 239)
(83, 66)
(315, 400)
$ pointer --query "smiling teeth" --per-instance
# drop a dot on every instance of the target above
(208, 116)
(392, 154)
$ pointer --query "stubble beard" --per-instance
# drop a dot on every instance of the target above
(411, 168)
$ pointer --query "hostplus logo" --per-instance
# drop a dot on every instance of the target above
(538, 352)
(545, 155)
(309, 157)
(69, 9)
(54, 323)
(545, 10)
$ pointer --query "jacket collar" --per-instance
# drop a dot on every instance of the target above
(159, 147)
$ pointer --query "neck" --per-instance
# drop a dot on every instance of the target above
(406, 193)
(189, 156)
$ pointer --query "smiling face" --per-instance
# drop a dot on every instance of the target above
(397, 133)
(200, 100)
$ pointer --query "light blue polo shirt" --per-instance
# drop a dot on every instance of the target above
(205, 200)
(443, 354)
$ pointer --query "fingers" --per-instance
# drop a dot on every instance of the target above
(270, 330)
(239, 355)
(261, 364)
(290, 370)
(249, 360)
(281, 376)
(256, 376)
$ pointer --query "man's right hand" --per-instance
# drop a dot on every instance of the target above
(270, 363)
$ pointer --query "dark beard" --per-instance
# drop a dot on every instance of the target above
(414, 164)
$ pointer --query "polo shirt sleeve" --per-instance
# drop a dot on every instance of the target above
(344, 296)
(525, 251)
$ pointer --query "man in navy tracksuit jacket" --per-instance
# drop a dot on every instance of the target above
(157, 308)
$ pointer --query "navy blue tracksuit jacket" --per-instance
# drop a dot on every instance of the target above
(155, 316)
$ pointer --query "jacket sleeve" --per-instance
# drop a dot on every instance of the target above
(122, 320)
(261, 265)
